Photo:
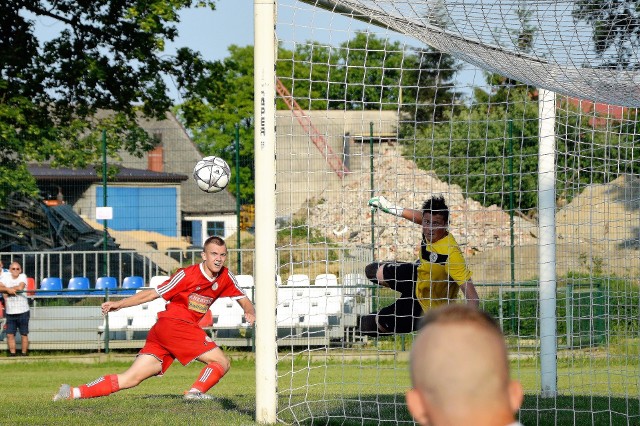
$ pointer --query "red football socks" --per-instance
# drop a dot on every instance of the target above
(102, 386)
(209, 376)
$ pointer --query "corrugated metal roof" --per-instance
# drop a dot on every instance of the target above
(73, 219)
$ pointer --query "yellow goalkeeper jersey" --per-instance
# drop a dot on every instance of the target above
(441, 272)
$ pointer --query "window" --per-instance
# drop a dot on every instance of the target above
(215, 228)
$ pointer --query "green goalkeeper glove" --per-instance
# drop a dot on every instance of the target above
(384, 205)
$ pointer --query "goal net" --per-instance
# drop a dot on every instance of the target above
(409, 99)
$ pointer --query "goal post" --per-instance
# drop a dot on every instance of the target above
(265, 266)
(547, 245)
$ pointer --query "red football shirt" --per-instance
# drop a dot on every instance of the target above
(190, 292)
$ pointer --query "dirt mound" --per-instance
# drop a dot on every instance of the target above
(598, 232)
(343, 215)
(152, 245)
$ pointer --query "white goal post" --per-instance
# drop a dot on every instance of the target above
(265, 268)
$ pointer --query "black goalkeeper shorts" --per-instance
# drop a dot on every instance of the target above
(402, 316)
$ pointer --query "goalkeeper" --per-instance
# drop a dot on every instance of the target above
(434, 280)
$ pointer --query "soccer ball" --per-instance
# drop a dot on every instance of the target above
(212, 174)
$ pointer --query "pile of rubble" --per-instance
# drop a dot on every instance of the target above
(342, 213)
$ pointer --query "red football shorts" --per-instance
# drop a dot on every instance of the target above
(171, 339)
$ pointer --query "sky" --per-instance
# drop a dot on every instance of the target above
(212, 32)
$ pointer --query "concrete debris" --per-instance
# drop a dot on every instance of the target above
(343, 215)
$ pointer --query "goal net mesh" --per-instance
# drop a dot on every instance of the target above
(408, 99)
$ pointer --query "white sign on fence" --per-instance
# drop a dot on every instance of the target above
(104, 213)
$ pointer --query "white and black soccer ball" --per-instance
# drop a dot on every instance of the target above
(212, 174)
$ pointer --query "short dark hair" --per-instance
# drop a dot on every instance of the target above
(436, 205)
(213, 240)
(457, 313)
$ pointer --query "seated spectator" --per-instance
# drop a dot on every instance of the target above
(460, 371)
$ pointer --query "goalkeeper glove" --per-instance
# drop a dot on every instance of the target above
(384, 205)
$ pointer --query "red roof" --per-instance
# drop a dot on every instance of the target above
(601, 113)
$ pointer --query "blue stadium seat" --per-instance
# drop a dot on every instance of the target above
(52, 286)
(103, 283)
(78, 286)
(131, 284)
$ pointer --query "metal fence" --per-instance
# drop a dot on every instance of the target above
(122, 263)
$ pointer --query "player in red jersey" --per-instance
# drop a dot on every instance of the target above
(176, 335)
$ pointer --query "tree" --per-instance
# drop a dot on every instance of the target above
(430, 95)
(616, 30)
(368, 72)
(108, 56)
(471, 148)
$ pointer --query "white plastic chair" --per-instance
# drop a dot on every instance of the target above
(299, 286)
(353, 283)
(141, 324)
(119, 322)
(316, 320)
(246, 283)
(145, 317)
(325, 295)
(286, 316)
(227, 313)
(298, 280)
(156, 280)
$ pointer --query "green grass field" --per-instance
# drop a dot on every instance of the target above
(317, 392)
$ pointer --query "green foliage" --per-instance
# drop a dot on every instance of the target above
(362, 73)
(429, 93)
(107, 56)
(588, 154)
(472, 147)
(616, 30)
(602, 309)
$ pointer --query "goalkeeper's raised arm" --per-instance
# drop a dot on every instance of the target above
(386, 206)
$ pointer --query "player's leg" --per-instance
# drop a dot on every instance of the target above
(402, 278)
(217, 365)
(397, 318)
(143, 367)
(408, 308)
(153, 359)
(375, 273)
(187, 343)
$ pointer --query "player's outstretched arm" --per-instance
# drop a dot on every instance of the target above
(470, 293)
(387, 207)
(249, 310)
(139, 298)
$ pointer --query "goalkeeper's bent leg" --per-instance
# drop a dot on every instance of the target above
(369, 326)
